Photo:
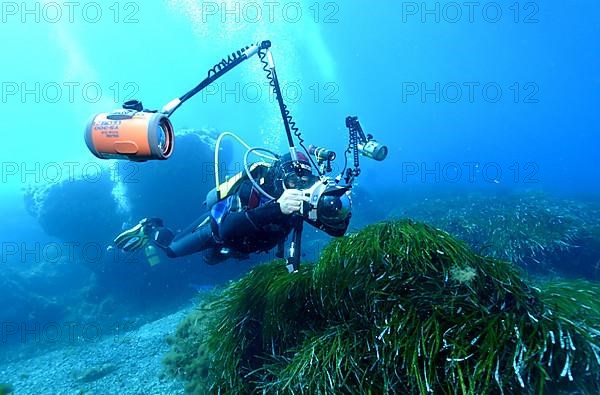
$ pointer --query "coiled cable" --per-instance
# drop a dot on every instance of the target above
(288, 118)
(225, 62)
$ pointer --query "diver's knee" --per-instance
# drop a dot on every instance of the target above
(163, 237)
(170, 253)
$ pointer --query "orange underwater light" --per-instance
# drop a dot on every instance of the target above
(130, 133)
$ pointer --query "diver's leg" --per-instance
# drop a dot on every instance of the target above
(195, 238)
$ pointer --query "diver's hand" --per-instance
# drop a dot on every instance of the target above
(291, 201)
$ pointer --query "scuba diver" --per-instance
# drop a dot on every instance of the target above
(246, 221)
(253, 211)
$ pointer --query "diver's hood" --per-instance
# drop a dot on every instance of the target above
(287, 165)
(289, 174)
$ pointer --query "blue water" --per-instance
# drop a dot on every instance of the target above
(347, 58)
(495, 96)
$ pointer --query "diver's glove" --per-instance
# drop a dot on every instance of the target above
(291, 201)
(136, 238)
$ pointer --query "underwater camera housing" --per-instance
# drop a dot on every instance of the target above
(329, 206)
(130, 133)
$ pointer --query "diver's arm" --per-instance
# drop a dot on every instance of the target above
(291, 201)
(242, 223)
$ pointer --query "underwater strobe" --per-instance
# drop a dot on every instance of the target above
(130, 133)
(366, 145)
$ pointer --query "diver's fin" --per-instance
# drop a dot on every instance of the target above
(133, 239)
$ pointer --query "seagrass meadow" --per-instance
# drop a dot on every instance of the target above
(542, 233)
(398, 307)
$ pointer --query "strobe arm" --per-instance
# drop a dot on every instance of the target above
(295, 251)
(364, 145)
(355, 131)
(219, 70)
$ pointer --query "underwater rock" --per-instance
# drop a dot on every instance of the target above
(95, 373)
(54, 278)
(22, 305)
(84, 215)
(76, 210)
(398, 307)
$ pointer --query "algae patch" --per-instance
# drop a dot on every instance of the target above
(6, 389)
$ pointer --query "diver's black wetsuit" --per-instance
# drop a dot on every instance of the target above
(245, 223)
